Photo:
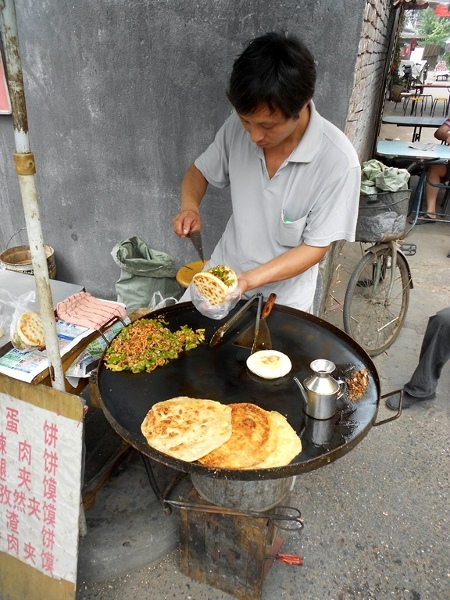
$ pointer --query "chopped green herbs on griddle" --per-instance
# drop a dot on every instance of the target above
(147, 344)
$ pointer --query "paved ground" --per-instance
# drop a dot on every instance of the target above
(377, 520)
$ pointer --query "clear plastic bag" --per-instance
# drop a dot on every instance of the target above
(158, 301)
(216, 311)
(8, 305)
(24, 304)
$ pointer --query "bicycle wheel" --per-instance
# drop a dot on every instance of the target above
(373, 317)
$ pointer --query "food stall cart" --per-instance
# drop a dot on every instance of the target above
(220, 373)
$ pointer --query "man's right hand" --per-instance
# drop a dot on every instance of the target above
(186, 221)
(193, 188)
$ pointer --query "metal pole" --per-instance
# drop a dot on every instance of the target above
(25, 169)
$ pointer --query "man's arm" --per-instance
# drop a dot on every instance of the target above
(443, 133)
(286, 265)
(193, 188)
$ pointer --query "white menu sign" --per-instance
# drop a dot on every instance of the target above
(40, 482)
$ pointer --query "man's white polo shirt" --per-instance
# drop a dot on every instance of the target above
(313, 198)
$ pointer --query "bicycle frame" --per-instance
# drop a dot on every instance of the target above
(393, 248)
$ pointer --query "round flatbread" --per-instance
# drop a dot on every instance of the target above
(187, 428)
(269, 364)
(215, 283)
(30, 330)
(250, 442)
(287, 443)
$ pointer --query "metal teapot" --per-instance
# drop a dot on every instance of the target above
(320, 391)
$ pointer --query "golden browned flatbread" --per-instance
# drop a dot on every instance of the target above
(187, 428)
(250, 442)
(287, 443)
(30, 330)
(215, 283)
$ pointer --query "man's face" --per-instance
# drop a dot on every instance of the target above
(267, 128)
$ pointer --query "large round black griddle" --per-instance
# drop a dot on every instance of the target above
(220, 373)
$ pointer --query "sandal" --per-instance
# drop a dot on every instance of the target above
(426, 219)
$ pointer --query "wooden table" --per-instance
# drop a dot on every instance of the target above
(105, 450)
(19, 283)
(416, 122)
(419, 87)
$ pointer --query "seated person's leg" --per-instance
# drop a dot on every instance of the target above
(434, 354)
(436, 174)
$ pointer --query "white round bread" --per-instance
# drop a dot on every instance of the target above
(269, 364)
(30, 330)
(215, 283)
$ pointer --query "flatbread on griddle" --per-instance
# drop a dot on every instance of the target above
(187, 428)
(250, 442)
(287, 445)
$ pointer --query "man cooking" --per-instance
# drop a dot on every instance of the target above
(294, 177)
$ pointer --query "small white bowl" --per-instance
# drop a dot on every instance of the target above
(269, 364)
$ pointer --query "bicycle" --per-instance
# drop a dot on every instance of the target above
(377, 295)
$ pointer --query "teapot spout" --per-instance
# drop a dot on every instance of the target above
(302, 389)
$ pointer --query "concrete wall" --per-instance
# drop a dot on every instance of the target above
(122, 95)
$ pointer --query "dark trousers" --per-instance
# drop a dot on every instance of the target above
(434, 353)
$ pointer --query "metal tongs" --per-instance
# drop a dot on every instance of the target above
(257, 335)
(218, 335)
(289, 520)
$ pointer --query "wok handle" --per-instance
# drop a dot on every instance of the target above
(268, 306)
(399, 412)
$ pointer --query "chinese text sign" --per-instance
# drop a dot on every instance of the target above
(40, 482)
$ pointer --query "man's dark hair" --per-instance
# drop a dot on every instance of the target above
(275, 69)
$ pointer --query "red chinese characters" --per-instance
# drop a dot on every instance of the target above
(40, 483)
(28, 487)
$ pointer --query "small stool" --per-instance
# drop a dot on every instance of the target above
(444, 108)
(426, 97)
(422, 98)
(414, 101)
(405, 96)
(185, 274)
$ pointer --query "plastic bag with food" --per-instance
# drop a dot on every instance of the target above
(214, 311)
(215, 291)
(26, 331)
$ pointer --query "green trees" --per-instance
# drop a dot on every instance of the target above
(432, 29)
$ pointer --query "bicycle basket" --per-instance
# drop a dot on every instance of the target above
(382, 216)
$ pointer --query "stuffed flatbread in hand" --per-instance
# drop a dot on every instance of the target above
(215, 283)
